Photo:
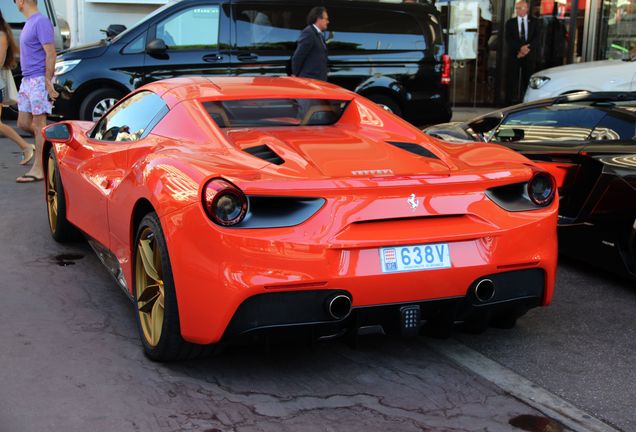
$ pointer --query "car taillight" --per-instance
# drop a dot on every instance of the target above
(224, 203)
(446, 69)
(541, 189)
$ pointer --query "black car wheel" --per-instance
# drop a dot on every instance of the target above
(387, 102)
(97, 102)
(444, 116)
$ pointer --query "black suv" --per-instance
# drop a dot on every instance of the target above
(392, 53)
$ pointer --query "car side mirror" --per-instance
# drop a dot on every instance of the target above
(157, 48)
(510, 134)
(113, 30)
(61, 133)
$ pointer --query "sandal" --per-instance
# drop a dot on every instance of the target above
(28, 178)
(25, 160)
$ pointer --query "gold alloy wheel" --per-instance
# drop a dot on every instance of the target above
(149, 286)
(51, 194)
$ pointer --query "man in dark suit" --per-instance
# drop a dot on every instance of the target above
(522, 39)
(310, 58)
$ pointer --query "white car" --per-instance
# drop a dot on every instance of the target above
(605, 75)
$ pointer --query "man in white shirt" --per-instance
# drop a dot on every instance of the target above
(522, 40)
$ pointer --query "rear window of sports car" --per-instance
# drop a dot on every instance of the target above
(275, 112)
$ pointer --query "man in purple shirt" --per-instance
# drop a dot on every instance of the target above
(37, 59)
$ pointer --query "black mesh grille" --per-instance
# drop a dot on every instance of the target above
(265, 153)
(413, 148)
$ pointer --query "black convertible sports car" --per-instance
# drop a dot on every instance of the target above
(588, 142)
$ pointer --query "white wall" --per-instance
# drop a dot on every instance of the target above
(87, 17)
(60, 7)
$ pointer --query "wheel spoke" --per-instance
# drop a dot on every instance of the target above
(149, 286)
(102, 106)
(51, 176)
(51, 191)
(156, 321)
(147, 256)
(156, 258)
(54, 206)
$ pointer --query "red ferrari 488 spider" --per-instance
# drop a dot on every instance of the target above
(228, 207)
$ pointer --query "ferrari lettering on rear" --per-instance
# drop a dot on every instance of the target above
(378, 172)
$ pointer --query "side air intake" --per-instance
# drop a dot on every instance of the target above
(413, 148)
(265, 153)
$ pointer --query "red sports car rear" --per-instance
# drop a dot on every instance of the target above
(230, 207)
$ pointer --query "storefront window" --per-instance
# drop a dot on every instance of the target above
(483, 71)
(617, 25)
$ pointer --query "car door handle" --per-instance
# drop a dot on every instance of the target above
(247, 57)
(212, 58)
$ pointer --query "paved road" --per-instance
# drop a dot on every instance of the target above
(583, 347)
(71, 359)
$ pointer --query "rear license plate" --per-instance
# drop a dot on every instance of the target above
(417, 257)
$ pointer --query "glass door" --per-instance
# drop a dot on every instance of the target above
(470, 27)
(617, 30)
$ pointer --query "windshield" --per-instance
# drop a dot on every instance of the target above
(275, 112)
(143, 20)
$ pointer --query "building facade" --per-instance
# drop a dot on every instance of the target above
(569, 31)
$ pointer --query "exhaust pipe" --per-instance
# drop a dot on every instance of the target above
(484, 290)
(338, 306)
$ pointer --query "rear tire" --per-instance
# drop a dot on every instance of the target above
(97, 102)
(157, 313)
(61, 229)
(444, 116)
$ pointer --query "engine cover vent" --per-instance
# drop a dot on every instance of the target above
(414, 148)
(265, 153)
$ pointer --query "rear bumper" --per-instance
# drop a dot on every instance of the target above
(219, 272)
(515, 293)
